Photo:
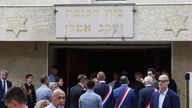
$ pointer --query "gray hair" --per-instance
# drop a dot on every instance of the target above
(101, 76)
(4, 71)
(148, 79)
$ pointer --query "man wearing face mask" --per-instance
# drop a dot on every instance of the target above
(58, 99)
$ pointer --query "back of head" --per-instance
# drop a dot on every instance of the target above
(124, 80)
(93, 75)
(90, 84)
(43, 79)
(42, 104)
(81, 78)
(124, 73)
(101, 76)
(16, 94)
(148, 80)
(138, 75)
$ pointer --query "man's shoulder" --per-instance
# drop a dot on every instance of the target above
(76, 87)
(44, 88)
(172, 93)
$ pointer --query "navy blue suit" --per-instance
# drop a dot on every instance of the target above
(171, 100)
(9, 84)
(129, 98)
(102, 89)
(145, 95)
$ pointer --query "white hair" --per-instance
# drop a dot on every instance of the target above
(4, 71)
(148, 79)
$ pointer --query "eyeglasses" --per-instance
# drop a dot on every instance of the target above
(162, 81)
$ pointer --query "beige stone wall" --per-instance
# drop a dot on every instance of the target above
(22, 58)
(150, 24)
(182, 63)
(52, 2)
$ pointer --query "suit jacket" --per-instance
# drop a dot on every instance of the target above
(75, 93)
(31, 95)
(171, 100)
(129, 99)
(102, 90)
(145, 95)
(9, 84)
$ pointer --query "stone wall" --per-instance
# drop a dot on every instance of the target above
(52, 2)
(22, 58)
(151, 23)
(182, 63)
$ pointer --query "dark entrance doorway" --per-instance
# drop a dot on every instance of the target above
(73, 61)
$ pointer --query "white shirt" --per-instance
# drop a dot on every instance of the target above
(101, 81)
(161, 98)
(5, 85)
(53, 106)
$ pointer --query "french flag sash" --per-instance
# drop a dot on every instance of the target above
(123, 97)
(148, 104)
(106, 97)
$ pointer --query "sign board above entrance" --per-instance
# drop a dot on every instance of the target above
(94, 21)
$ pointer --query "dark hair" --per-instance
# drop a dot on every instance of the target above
(90, 84)
(93, 75)
(54, 67)
(15, 93)
(58, 78)
(124, 80)
(152, 70)
(124, 73)
(43, 78)
(138, 74)
(81, 77)
(28, 75)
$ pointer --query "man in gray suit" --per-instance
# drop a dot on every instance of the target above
(90, 99)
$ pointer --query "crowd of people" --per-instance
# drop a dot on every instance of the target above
(155, 90)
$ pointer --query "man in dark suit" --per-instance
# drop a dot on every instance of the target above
(104, 90)
(123, 96)
(29, 91)
(172, 84)
(146, 93)
(165, 98)
(137, 85)
(77, 91)
(4, 86)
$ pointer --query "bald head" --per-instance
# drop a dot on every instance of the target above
(164, 77)
(58, 98)
(163, 82)
(101, 76)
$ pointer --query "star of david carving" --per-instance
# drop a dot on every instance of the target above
(176, 23)
(16, 24)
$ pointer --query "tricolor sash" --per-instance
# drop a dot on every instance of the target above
(148, 104)
(106, 97)
(123, 97)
